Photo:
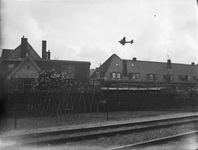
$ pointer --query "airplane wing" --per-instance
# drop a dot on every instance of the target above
(123, 41)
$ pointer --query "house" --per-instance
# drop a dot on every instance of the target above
(137, 73)
(23, 64)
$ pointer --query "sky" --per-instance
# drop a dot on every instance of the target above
(89, 30)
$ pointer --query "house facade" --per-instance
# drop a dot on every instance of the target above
(23, 64)
(137, 73)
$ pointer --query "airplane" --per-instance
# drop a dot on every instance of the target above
(123, 41)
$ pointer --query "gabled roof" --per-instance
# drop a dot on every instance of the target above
(104, 67)
(15, 54)
(147, 67)
(23, 62)
(160, 67)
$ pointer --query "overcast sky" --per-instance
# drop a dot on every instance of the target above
(89, 30)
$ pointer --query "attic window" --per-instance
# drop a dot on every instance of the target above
(116, 75)
(196, 78)
(134, 76)
(185, 78)
(11, 66)
(152, 77)
(28, 66)
(168, 77)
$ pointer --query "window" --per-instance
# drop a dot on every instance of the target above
(134, 76)
(196, 78)
(188, 78)
(10, 67)
(171, 77)
(152, 77)
(116, 75)
(28, 66)
(68, 71)
(185, 78)
(168, 77)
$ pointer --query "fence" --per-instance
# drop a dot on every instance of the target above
(53, 103)
(83, 104)
(83, 101)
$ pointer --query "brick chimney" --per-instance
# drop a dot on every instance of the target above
(124, 68)
(43, 49)
(169, 64)
(134, 59)
(48, 55)
(23, 47)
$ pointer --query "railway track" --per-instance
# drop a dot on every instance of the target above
(155, 141)
(64, 136)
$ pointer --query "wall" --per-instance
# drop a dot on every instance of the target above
(23, 72)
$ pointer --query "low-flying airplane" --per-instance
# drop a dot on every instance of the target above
(123, 41)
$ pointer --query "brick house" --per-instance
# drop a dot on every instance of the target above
(137, 73)
(23, 63)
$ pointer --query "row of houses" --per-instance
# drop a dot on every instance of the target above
(24, 63)
(145, 73)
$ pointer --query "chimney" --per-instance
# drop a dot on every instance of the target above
(43, 49)
(169, 64)
(48, 55)
(124, 68)
(193, 64)
(134, 59)
(23, 47)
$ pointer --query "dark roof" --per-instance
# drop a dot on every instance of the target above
(6, 52)
(104, 67)
(160, 67)
(149, 67)
(15, 54)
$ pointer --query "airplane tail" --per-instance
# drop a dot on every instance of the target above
(131, 42)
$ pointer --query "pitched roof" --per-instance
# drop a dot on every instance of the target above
(104, 67)
(149, 67)
(15, 54)
(156, 67)
(6, 52)
(19, 66)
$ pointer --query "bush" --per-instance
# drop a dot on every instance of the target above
(51, 80)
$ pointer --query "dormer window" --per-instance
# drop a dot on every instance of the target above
(196, 78)
(185, 78)
(11, 66)
(168, 77)
(115, 75)
(134, 76)
(152, 77)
